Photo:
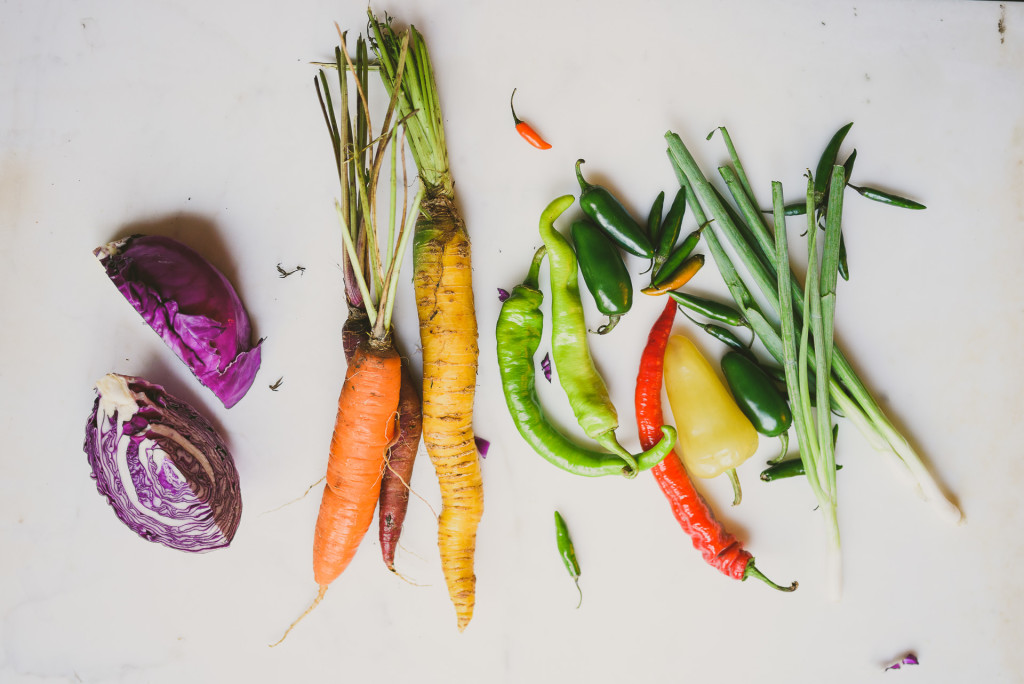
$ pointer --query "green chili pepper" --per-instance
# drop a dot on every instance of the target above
(678, 278)
(823, 173)
(716, 311)
(603, 271)
(848, 165)
(567, 551)
(676, 258)
(887, 197)
(791, 467)
(608, 213)
(757, 396)
(654, 217)
(583, 385)
(844, 266)
(671, 227)
(721, 334)
(518, 335)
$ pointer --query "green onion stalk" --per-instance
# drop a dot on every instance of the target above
(767, 268)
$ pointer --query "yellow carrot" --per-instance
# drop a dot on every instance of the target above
(444, 301)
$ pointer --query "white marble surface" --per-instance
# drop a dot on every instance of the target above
(199, 120)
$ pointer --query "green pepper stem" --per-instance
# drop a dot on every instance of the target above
(751, 571)
(737, 492)
(607, 327)
(608, 441)
(533, 276)
(579, 175)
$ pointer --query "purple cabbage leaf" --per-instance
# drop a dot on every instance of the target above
(162, 466)
(191, 305)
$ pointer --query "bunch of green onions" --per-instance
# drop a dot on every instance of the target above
(802, 330)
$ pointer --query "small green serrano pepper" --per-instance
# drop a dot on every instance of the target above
(519, 330)
(654, 217)
(567, 551)
(583, 385)
(791, 467)
(671, 227)
(716, 311)
(676, 259)
(607, 212)
(886, 197)
(603, 271)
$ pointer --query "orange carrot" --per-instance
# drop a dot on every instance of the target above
(363, 431)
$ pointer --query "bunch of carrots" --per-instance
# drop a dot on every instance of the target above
(381, 416)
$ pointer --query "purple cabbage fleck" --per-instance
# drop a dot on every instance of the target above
(482, 445)
(503, 294)
(545, 365)
(162, 466)
(908, 659)
(191, 305)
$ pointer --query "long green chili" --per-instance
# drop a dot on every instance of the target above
(583, 385)
(518, 336)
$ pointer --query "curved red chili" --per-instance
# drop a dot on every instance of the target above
(526, 130)
(719, 548)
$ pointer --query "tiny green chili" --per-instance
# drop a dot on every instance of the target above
(654, 218)
(568, 552)
(887, 197)
(716, 311)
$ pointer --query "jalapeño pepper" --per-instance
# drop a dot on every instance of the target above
(756, 395)
(607, 212)
(603, 271)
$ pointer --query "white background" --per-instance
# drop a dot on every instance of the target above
(199, 120)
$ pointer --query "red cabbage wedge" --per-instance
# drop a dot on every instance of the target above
(164, 469)
(191, 305)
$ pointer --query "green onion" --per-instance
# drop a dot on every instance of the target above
(848, 393)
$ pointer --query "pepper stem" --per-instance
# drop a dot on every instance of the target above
(737, 492)
(515, 118)
(579, 175)
(751, 571)
(608, 441)
(533, 276)
(607, 327)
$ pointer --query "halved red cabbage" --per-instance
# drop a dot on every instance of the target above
(191, 305)
(162, 466)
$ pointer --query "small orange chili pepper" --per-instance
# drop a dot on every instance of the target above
(526, 130)
(688, 269)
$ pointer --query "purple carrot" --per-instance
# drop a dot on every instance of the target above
(394, 488)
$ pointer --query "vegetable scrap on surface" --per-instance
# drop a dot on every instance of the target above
(162, 466)
(192, 307)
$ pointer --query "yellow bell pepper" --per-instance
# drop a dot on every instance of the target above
(714, 435)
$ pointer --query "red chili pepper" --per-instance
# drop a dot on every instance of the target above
(526, 130)
(719, 548)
